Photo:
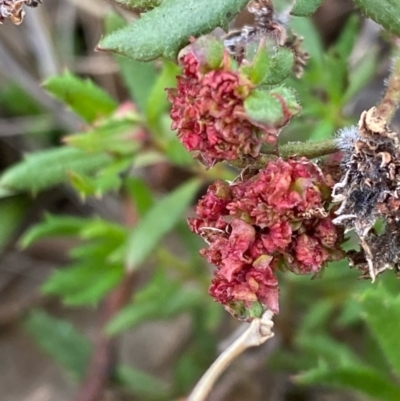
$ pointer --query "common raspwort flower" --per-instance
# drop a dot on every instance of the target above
(277, 219)
(211, 109)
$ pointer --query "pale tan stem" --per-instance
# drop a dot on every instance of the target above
(259, 331)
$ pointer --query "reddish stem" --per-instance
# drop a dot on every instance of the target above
(104, 357)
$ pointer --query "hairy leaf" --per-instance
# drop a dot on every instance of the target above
(304, 8)
(384, 12)
(120, 137)
(83, 96)
(138, 76)
(53, 226)
(139, 4)
(84, 283)
(47, 168)
(166, 29)
(281, 66)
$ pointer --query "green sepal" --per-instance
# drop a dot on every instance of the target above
(259, 65)
(209, 50)
(288, 97)
(281, 66)
(263, 108)
(245, 313)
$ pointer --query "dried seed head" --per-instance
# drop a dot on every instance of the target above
(13, 9)
(265, 27)
(301, 57)
(370, 191)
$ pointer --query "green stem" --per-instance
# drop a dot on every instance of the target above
(310, 150)
(391, 100)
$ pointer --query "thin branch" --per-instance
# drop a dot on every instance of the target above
(104, 360)
(102, 365)
(311, 150)
(259, 331)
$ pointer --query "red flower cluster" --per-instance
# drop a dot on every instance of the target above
(208, 112)
(274, 220)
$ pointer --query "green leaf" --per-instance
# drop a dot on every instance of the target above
(384, 12)
(323, 347)
(304, 8)
(99, 228)
(142, 385)
(139, 4)
(281, 66)
(157, 222)
(157, 103)
(166, 29)
(84, 283)
(83, 96)
(348, 37)
(106, 180)
(141, 193)
(12, 212)
(121, 137)
(53, 226)
(361, 75)
(138, 76)
(163, 298)
(146, 158)
(362, 379)
(381, 311)
(177, 152)
(316, 318)
(47, 168)
(61, 340)
(323, 130)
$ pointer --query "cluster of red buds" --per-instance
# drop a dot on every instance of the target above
(228, 101)
(13, 9)
(275, 220)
